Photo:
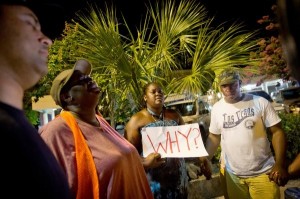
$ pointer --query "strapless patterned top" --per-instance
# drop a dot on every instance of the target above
(162, 123)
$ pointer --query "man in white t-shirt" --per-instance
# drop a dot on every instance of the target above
(240, 122)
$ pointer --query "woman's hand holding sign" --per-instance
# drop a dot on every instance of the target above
(153, 160)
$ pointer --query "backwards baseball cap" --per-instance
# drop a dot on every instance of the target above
(51, 14)
(228, 77)
(62, 79)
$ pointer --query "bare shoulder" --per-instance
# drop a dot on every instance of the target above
(138, 120)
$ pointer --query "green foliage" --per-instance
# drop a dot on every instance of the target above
(32, 116)
(217, 156)
(217, 49)
(172, 37)
(291, 127)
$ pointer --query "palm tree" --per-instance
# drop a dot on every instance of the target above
(216, 49)
(171, 35)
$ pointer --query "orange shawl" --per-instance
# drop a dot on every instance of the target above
(88, 184)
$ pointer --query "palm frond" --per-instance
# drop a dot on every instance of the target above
(216, 50)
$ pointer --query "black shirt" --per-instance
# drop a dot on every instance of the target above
(29, 169)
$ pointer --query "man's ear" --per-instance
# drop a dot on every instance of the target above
(65, 97)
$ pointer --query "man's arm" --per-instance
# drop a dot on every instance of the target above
(294, 167)
(279, 172)
(212, 143)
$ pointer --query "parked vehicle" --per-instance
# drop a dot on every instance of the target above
(290, 97)
(192, 111)
(279, 107)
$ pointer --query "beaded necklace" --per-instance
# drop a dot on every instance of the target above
(154, 115)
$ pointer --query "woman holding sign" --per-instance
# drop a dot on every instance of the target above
(167, 176)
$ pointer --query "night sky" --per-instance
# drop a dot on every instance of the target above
(223, 10)
(232, 10)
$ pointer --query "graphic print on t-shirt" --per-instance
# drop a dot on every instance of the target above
(230, 121)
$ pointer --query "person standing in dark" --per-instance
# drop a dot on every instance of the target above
(29, 169)
(289, 20)
(167, 176)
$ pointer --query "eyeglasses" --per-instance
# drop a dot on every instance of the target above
(83, 79)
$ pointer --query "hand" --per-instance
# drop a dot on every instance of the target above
(279, 175)
(205, 167)
(193, 170)
(153, 160)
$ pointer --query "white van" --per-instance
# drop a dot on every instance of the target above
(192, 111)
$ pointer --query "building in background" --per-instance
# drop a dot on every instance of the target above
(47, 109)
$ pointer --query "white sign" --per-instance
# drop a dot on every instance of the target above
(173, 141)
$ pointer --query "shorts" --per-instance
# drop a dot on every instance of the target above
(256, 187)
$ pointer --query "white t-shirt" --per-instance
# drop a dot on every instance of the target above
(244, 141)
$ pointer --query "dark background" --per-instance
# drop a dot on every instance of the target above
(247, 12)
